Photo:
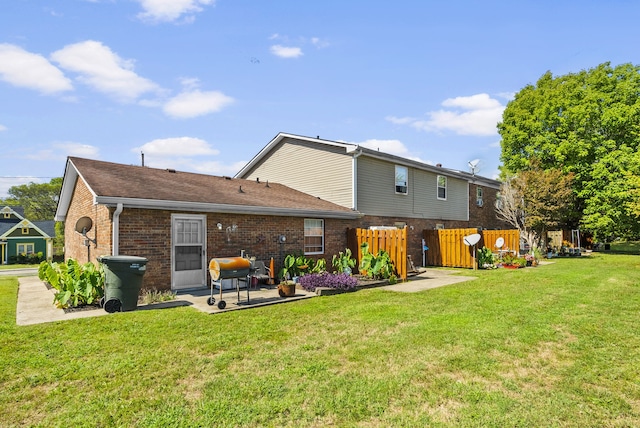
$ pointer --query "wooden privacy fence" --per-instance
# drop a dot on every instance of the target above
(446, 247)
(393, 241)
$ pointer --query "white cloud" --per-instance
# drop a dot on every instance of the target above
(186, 154)
(218, 168)
(474, 115)
(60, 151)
(393, 147)
(190, 83)
(69, 148)
(3, 128)
(102, 69)
(171, 10)
(171, 147)
(8, 182)
(195, 165)
(400, 120)
(28, 70)
(286, 52)
(319, 43)
(196, 103)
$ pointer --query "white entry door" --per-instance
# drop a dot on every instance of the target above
(188, 251)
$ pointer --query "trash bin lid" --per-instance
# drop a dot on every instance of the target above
(122, 259)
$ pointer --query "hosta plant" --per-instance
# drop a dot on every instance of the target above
(378, 266)
(76, 284)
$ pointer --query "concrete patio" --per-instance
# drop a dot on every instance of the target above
(35, 300)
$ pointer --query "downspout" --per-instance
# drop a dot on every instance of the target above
(115, 239)
(354, 170)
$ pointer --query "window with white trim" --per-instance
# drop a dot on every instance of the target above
(479, 200)
(402, 179)
(25, 230)
(313, 236)
(442, 187)
(25, 248)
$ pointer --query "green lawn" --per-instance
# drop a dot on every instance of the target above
(556, 345)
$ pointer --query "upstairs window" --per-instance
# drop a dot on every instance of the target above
(25, 230)
(479, 201)
(402, 174)
(442, 187)
(313, 236)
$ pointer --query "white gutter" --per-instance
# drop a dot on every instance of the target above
(223, 208)
(115, 240)
(354, 179)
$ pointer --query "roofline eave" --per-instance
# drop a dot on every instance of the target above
(223, 208)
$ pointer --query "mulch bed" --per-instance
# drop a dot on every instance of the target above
(81, 308)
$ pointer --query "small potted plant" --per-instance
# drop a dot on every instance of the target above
(530, 259)
(287, 288)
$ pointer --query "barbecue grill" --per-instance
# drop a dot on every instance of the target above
(228, 268)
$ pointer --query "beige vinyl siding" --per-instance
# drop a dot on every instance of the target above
(427, 204)
(377, 196)
(376, 189)
(303, 166)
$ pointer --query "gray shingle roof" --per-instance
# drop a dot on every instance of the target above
(111, 181)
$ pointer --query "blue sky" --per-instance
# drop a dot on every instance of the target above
(203, 85)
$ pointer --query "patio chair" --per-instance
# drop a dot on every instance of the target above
(262, 273)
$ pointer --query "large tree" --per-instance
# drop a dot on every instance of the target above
(39, 200)
(535, 201)
(586, 124)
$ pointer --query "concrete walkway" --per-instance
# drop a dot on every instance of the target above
(428, 279)
(35, 300)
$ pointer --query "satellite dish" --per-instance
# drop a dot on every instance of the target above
(473, 166)
(472, 239)
(83, 225)
(499, 242)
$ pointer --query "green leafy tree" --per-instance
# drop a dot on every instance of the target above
(39, 200)
(535, 201)
(586, 124)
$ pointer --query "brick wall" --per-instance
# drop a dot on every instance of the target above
(484, 216)
(147, 233)
(82, 206)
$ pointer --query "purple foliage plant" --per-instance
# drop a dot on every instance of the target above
(341, 281)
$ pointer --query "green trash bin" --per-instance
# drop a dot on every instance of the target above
(122, 283)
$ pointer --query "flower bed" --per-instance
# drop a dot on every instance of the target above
(339, 281)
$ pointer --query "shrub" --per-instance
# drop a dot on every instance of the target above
(343, 262)
(76, 284)
(26, 259)
(376, 267)
(155, 296)
(485, 258)
(340, 281)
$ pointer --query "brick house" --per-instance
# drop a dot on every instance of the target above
(387, 189)
(180, 220)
